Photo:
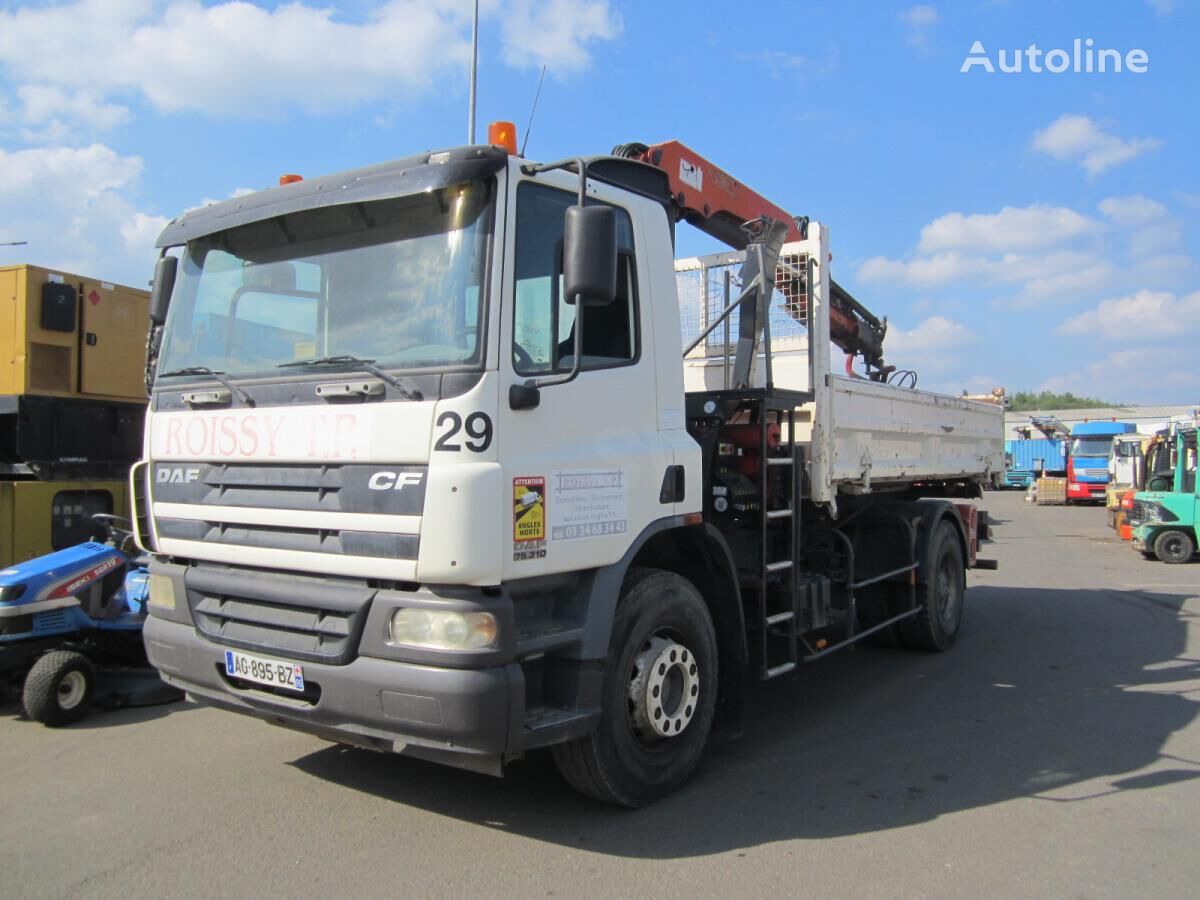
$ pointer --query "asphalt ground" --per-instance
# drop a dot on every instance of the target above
(1053, 751)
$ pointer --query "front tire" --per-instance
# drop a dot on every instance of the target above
(941, 596)
(658, 699)
(59, 687)
(1174, 547)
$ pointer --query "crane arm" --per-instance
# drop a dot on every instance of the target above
(715, 202)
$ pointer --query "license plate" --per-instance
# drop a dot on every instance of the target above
(271, 672)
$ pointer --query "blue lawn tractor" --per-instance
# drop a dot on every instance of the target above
(71, 630)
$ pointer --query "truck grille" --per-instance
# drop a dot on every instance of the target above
(301, 618)
(240, 505)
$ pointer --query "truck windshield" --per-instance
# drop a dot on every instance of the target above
(1099, 445)
(398, 282)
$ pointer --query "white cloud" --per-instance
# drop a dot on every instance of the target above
(80, 174)
(71, 205)
(555, 33)
(1129, 376)
(51, 114)
(141, 232)
(1012, 228)
(919, 19)
(781, 65)
(1135, 210)
(918, 16)
(1139, 317)
(1162, 7)
(1146, 224)
(927, 271)
(236, 58)
(1075, 138)
(931, 344)
(1044, 253)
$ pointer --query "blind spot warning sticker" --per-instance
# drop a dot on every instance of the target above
(529, 518)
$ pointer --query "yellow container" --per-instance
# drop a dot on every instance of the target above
(37, 517)
(64, 335)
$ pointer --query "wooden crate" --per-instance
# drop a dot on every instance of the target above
(1051, 491)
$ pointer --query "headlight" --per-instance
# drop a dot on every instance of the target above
(162, 591)
(434, 629)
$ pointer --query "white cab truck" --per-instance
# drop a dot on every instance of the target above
(426, 471)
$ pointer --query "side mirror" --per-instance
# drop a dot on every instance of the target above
(160, 292)
(590, 255)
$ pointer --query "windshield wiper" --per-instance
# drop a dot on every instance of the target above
(367, 365)
(218, 375)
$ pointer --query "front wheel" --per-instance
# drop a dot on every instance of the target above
(941, 596)
(659, 695)
(59, 688)
(1174, 547)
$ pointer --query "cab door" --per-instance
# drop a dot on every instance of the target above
(585, 467)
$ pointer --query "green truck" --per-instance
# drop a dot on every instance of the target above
(1164, 515)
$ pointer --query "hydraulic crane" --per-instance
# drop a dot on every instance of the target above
(718, 204)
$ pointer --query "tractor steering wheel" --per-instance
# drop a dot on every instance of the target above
(115, 535)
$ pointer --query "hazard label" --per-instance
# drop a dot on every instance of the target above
(529, 517)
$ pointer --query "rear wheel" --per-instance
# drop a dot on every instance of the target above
(659, 695)
(1174, 547)
(941, 596)
(59, 688)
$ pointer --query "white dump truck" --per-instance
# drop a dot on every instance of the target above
(448, 457)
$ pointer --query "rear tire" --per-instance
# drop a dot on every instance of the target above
(1174, 547)
(660, 677)
(940, 596)
(58, 689)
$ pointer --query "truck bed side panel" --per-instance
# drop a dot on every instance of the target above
(885, 433)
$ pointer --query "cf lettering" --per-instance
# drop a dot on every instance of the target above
(393, 481)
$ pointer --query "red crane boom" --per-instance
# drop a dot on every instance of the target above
(712, 200)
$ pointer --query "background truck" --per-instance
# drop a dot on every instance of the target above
(425, 469)
(1164, 515)
(1027, 458)
(1088, 453)
(72, 401)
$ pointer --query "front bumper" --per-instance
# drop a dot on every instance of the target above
(1141, 538)
(1085, 490)
(467, 717)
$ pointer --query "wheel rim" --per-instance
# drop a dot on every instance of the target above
(71, 690)
(664, 689)
(945, 588)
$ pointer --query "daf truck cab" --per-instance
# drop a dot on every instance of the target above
(422, 473)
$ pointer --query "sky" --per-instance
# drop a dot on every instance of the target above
(1033, 229)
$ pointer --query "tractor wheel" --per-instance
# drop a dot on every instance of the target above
(59, 688)
(659, 695)
(1174, 547)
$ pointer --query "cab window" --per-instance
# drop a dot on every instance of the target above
(543, 322)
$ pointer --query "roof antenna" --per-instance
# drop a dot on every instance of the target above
(529, 127)
(474, 67)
